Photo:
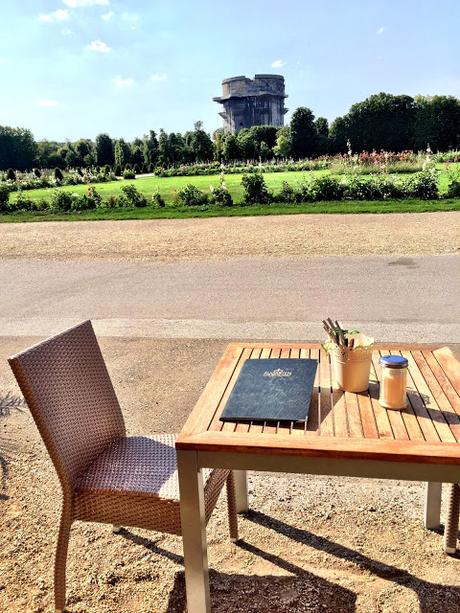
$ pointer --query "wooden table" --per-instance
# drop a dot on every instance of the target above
(346, 434)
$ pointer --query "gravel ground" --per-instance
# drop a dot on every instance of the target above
(217, 238)
(309, 544)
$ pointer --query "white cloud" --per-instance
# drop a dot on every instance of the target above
(57, 15)
(98, 46)
(122, 83)
(159, 76)
(278, 64)
(77, 3)
(107, 16)
(380, 31)
(66, 32)
(47, 103)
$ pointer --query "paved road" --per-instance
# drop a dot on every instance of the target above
(396, 299)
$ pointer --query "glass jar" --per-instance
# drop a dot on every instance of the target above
(393, 381)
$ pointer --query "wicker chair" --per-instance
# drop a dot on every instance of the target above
(105, 476)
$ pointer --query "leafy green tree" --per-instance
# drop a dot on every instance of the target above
(17, 148)
(176, 146)
(104, 150)
(303, 133)
(338, 135)
(122, 153)
(382, 121)
(283, 146)
(249, 147)
(322, 126)
(150, 148)
(230, 149)
(201, 144)
(84, 151)
(322, 135)
(137, 154)
(437, 123)
(163, 148)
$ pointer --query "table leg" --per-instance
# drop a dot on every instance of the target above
(433, 505)
(241, 491)
(193, 532)
(451, 528)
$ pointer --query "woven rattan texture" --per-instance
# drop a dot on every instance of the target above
(68, 390)
(134, 482)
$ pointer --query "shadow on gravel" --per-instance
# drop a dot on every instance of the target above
(430, 595)
(10, 403)
(263, 593)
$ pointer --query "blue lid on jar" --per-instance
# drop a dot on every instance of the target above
(393, 361)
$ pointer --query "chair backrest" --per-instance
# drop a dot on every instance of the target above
(70, 395)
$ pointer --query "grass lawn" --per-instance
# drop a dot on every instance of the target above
(168, 186)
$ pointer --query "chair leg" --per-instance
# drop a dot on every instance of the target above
(451, 528)
(61, 558)
(231, 503)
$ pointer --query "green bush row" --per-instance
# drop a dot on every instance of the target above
(63, 201)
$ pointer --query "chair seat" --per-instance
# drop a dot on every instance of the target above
(134, 482)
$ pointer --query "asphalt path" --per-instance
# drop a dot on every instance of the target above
(401, 299)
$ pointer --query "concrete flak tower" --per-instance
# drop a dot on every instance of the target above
(252, 102)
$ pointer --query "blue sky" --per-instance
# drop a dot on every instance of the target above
(75, 68)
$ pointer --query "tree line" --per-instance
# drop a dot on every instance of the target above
(381, 122)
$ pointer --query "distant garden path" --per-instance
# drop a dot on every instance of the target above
(220, 238)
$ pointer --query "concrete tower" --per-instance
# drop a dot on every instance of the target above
(252, 102)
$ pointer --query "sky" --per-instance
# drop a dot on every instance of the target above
(72, 69)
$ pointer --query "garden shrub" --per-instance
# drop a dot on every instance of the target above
(4, 197)
(112, 202)
(453, 187)
(158, 200)
(61, 200)
(10, 175)
(129, 174)
(127, 167)
(136, 169)
(255, 189)
(117, 171)
(107, 170)
(221, 196)
(324, 188)
(133, 197)
(37, 173)
(286, 194)
(92, 199)
(23, 203)
(191, 196)
(58, 175)
(423, 185)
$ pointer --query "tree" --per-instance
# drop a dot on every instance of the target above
(322, 135)
(104, 150)
(17, 148)
(283, 146)
(150, 148)
(163, 148)
(338, 135)
(382, 121)
(437, 123)
(303, 133)
(122, 153)
(322, 126)
(230, 148)
(249, 147)
(201, 144)
(84, 150)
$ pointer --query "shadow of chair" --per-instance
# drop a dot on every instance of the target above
(430, 595)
